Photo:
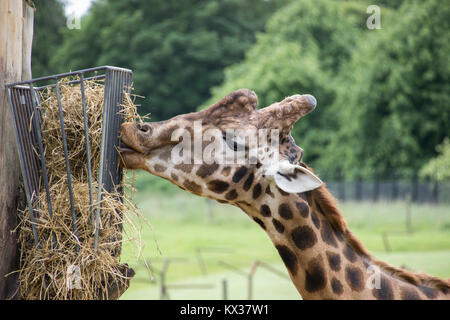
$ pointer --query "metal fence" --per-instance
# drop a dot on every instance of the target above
(417, 191)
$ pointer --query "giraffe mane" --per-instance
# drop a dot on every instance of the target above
(324, 202)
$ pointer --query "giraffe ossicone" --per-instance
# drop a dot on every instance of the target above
(271, 184)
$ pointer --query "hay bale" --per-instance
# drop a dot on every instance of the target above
(65, 265)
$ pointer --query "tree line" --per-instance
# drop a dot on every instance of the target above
(383, 94)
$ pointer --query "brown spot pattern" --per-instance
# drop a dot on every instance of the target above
(289, 258)
(285, 211)
(192, 186)
(315, 220)
(217, 186)
(354, 278)
(349, 253)
(304, 237)
(239, 174)
(259, 221)
(278, 225)
(206, 170)
(385, 291)
(231, 195)
(409, 294)
(184, 167)
(257, 191)
(336, 286)
(315, 278)
(429, 292)
(334, 260)
(248, 183)
(265, 210)
(302, 208)
(327, 234)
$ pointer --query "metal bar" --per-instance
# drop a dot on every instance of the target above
(37, 128)
(31, 155)
(102, 164)
(102, 76)
(88, 149)
(21, 123)
(67, 74)
(24, 172)
(66, 155)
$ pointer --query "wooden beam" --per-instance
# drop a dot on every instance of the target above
(16, 35)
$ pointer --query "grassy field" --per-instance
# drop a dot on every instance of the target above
(198, 235)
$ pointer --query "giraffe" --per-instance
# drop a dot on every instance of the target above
(282, 195)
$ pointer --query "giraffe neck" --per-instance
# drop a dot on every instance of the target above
(323, 258)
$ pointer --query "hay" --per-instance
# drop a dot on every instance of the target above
(66, 266)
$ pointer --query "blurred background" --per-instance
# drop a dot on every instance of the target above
(379, 136)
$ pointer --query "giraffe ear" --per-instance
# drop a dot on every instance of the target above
(294, 178)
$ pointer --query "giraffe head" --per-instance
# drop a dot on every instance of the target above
(210, 152)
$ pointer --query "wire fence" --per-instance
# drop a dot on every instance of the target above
(159, 275)
(391, 190)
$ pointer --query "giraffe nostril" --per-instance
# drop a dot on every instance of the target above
(144, 127)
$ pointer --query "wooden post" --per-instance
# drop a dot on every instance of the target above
(16, 36)
(408, 223)
(253, 268)
(224, 289)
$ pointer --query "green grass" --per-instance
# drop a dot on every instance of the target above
(182, 225)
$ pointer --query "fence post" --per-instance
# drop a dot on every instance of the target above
(394, 194)
(164, 293)
(408, 214)
(435, 195)
(250, 279)
(225, 289)
(415, 188)
(341, 186)
(358, 187)
(376, 187)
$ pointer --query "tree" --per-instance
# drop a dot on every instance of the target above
(439, 167)
(177, 49)
(49, 19)
(302, 51)
(393, 106)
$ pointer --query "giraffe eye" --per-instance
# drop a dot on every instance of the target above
(232, 143)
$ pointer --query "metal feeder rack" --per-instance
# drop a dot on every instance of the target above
(24, 103)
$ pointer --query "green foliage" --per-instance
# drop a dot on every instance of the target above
(177, 49)
(302, 51)
(393, 105)
(383, 95)
(439, 168)
(48, 20)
